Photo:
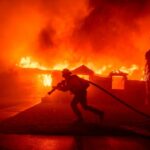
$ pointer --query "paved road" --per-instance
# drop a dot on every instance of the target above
(37, 142)
(34, 111)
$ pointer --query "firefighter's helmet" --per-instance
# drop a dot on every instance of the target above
(66, 72)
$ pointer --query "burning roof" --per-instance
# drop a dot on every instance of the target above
(83, 70)
(97, 33)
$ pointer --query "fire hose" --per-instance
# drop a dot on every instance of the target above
(120, 100)
(112, 95)
(56, 87)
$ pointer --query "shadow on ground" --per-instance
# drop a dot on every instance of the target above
(46, 118)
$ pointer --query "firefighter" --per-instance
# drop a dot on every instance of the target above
(78, 87)
(147, 74)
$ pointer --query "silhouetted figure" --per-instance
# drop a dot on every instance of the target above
(78, 87)
(147, 74)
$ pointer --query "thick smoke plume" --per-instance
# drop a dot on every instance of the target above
(97, 32)
(116, 31)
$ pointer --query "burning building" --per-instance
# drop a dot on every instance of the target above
(103, 35)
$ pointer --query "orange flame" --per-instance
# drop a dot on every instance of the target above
(130, 70)
(46, 79)
(27, 62)
(60, 66)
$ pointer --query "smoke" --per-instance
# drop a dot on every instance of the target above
(19, 25)
(86, 31)
(39, 28)
(117, 31)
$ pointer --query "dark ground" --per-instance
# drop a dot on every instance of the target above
(49, 126)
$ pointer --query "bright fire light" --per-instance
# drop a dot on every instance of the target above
(26, 62)
(106, 69)
(60, 66)
(103, 69)
(46, 79)
(129, 70)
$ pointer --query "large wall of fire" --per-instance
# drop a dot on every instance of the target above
(102, 34)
